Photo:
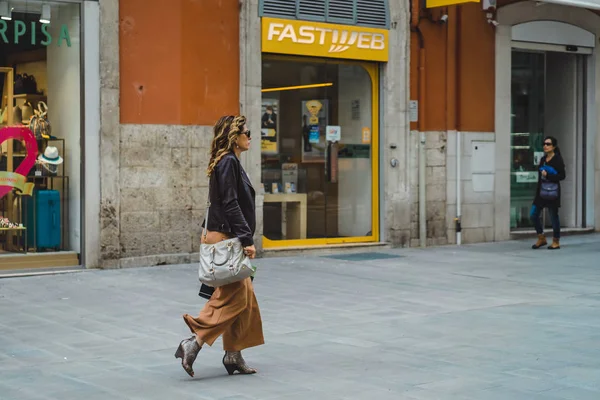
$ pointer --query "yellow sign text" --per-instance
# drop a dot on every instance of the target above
(324, 40)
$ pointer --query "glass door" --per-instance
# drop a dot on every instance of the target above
(528, 87)
(318, 139)
(548, 99)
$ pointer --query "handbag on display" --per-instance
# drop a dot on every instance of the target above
(30, 84)
(25, 84)
(224, 262)
(19, 87)
(17, 115)
(26, 113)
(39, 124)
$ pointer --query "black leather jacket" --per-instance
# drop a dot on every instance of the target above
(232, 206)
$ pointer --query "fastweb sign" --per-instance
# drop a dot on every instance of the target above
(324, 40)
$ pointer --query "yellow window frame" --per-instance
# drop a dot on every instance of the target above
(373, 71)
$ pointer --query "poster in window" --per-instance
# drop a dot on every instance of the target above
(315, 117)
(269, 126)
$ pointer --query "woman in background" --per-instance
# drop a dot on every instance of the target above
(551, 172)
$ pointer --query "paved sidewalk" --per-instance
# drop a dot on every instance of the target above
(491, 321)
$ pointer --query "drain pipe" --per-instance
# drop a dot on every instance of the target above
(415, 19)
(422, 155)
(422, 193)
(459, 146)
(458, 188)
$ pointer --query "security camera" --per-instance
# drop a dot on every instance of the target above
(444, 19)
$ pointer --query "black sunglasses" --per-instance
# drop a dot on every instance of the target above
(547, 143)
(247, 133)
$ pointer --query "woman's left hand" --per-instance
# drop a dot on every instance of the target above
(250, 251)
(544, 173)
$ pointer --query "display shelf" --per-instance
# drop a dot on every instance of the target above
(21, 99)
(29, 96)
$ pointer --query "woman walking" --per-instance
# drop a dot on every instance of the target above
(551, 172)
(232, 310)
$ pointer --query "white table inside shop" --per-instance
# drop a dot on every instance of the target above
(293, 213)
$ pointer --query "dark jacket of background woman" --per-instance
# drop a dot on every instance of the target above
(232, 205)
(559, 165)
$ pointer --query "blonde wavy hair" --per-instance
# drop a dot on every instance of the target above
(226, 131)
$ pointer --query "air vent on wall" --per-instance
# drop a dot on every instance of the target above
(372, 13)
(279, 8)
(342, 11)
(311, 9)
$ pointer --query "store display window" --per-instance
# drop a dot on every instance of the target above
(40, 131)
(319, 151)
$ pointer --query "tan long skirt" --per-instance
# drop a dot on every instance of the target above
(233, 312)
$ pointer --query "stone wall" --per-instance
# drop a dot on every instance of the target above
(436, 183)
(477, 207)
(163, 192)
(109, 135)
(251, 100)
(395, 132)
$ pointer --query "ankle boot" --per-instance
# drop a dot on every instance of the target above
(540, 242)
(233, 361)
(188, 351)
(555, 244)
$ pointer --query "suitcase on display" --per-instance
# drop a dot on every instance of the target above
(43, 219)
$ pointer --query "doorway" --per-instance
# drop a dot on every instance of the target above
(548, 98)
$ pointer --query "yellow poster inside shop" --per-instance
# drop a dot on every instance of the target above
(269, 124)
(366, 135)
(444, 3)
(318, 39)
(268, 146)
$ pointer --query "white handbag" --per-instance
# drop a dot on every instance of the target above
(224, 262)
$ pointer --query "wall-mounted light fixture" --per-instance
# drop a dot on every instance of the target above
(45, 16)
(5, 11)
(279, 89)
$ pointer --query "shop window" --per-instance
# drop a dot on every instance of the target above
(317, 157)
(40, 158)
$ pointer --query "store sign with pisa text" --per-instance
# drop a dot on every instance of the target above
(317, 39)
(22, 32)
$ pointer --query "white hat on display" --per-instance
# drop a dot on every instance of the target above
(50, 156)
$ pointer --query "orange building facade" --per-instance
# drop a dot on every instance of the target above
(373, 127)
(498, 81)
(312, 86)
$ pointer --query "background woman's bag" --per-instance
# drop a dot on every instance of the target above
(549, 190)
(224, 262)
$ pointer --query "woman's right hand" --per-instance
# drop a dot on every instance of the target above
(250, 251)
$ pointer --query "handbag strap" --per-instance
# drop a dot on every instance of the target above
(205, 230)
